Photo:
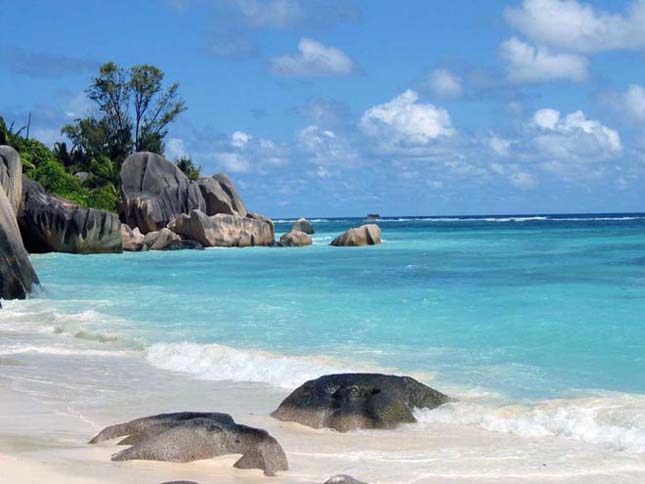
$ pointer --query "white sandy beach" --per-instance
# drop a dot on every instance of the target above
(52, 404)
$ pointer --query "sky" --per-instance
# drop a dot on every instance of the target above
(342, 108)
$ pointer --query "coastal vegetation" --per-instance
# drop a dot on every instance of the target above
(131, 111)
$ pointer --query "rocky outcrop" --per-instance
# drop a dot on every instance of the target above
(369, 234)
(343, 479)
(221, 196)
(160, 239)
(155, 191)
(295, 239)
(131, 239)
(358, 401)
(17, 275)
(303, 225)
(190, 436)
(223, 230)
(52, 224)
(11, 175)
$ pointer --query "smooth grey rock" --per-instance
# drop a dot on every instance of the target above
(17, 275)
(343, 479)
(184, 244)
(11, 175)
(160, 239)
(132, 239)
(303, 225)
(52, 224)
(223, 230)
(369, 234)
(189, 436)
(353, 401)
(221, 196)
(155, 191)
(295, 239)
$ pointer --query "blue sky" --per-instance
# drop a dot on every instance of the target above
(329, 107)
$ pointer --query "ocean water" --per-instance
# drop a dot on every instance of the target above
(536, 323)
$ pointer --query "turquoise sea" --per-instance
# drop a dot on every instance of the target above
(514, 309)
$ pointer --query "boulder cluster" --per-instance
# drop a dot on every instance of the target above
(163, 209)
(342, 402)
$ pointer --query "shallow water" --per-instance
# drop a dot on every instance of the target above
(536, 323)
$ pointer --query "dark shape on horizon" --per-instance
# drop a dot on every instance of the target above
(371, 217)
(369, 234)
(354, 401)
(190, 436)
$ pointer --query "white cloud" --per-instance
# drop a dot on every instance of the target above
(243, 153)
(445, 84)
(522, 179)
(239, 139)
(324, 147)
(175, 149)
(573, 138)
(312, 60)
(634, 101)
(529, 64)
(405, 122)
(499, 146)
(233, 162)
(577, 26)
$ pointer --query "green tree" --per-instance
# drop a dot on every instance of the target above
(186, 165)
(133, 111)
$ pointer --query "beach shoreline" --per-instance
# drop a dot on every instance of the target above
(45, 433)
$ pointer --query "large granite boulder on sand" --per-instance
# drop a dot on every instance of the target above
(295, 239)
(223, 230)
(358, 401)
(17, 275)
(369, 234)
(11, 175)
(132, 239)
(155, 191)
(52, 224)
(303, 225)
(343, 479)
(221, 196)
(190, 436)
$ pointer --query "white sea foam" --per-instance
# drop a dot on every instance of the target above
(222, 363)
(616, 422)
(7, 350)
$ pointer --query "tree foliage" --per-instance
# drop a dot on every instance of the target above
(133, 112)
(186, 165)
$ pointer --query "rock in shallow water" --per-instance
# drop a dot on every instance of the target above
(295, 239)
(52, 224)
(160, 239)
(353, 401)
(303, 225)
(190, 436)
(224, 230)
(132, 239)
(369, 234)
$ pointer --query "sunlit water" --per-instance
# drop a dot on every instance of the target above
(546, 314)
